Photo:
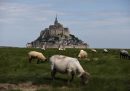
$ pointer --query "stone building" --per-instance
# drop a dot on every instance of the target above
(55, 30)
(55, 36)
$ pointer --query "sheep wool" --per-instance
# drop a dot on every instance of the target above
(36, 55)
(82, 54)
(64, 64)
(93, 50)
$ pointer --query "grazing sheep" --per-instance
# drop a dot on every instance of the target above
(36, 55)
(105, 50)
(82, 54)
(69, 65)
(43, 47)
(124, 54)
(93, 50)
(61, 47)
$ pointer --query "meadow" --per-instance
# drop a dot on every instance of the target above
(108, 73)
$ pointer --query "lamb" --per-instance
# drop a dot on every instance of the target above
(36, 55)
(124, 54)
(105, 50)
(61, 47)
(82, 54)
(43, 47)
(93, 50)
(69, 65)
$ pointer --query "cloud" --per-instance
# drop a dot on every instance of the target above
(109, 22)
(99, 19)
(89, 21)
(104, 29)
(14, 12)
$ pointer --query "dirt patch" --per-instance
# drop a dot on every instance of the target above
(28, 86)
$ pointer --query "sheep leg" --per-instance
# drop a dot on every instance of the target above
(69, 75)
(30, 59)
(53, 73)
(72, 74)
(129, 57)
(38, 61)
(126, 56)
(123, 56)
(120, 55)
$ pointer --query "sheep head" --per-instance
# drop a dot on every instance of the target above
(43, 58)
(85, 77)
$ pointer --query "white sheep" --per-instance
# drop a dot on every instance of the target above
(82, 54)
(124, 54)
(61, 47)
(94, 50)
(105, 50)
(69, 65)
(36, 55)
(43, 47)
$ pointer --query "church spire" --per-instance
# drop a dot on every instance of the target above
(56, 20)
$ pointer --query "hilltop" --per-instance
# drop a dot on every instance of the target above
(57, 35)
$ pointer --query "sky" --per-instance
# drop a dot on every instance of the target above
(100, 23)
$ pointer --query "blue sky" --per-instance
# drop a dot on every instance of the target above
(100, 23)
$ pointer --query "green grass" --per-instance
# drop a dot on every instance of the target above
(108, 73)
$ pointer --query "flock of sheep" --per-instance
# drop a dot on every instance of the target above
(69, 65)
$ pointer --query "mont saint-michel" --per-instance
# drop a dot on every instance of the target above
(55, 36)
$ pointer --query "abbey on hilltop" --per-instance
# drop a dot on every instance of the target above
(55, 36)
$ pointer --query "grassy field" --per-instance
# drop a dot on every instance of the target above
(108, 73)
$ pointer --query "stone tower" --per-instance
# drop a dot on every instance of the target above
(56, 21)
(57, 29)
